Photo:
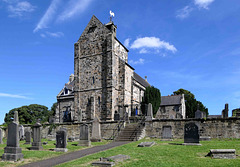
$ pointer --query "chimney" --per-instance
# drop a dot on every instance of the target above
(145, 78)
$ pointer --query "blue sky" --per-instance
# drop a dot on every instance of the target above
(190, 44)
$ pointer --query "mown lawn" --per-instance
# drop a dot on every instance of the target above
(164, 154)
(31, 156)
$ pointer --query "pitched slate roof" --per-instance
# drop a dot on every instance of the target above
(70, 85)
(140, 80)
(171, 100)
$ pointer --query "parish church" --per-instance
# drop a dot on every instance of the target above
(103, 83)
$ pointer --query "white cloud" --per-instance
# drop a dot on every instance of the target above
(184, 12)
(48, 16)
(140, 61)
(55, 34)
(143, 50)
(13, 96)
(52, 34)
(152, 42)
(20, 8)
(203, 3)
(126, 42)
(73, 8)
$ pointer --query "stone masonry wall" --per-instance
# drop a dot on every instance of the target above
(215, 128)
(73, 129)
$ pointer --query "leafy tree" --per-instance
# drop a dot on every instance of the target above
(235, 111)
(191, 103)
(53, 110)
(151, 95)
(28, 114)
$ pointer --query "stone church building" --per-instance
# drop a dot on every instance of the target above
(103, 83)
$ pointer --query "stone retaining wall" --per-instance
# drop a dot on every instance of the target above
(73, 130)
(214, 128)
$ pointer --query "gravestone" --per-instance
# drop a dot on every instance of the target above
(28, 137)
(149, 113)
(21, 132)
(198, 114)
(84, 136)
(146, 144)
(1, 136)
(167, 132)
(12, 152)
(222, 153)
(36, 144)
(16, 117)
(96, 130)
(61, 141)
(191, 134)
(110, 161)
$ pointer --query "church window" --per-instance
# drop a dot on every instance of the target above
(93, 80)
(66, 91)
(99, 100)
(91, 29)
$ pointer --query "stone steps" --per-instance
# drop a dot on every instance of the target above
(131, 132)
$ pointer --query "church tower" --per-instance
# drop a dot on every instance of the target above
(99, 72)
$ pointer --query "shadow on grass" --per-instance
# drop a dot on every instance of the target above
(175, 144)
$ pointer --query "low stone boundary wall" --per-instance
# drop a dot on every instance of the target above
(49, 130)
(214, 128)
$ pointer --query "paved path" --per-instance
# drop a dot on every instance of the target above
(73, 155)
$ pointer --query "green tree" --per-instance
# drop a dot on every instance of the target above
(28, 114)
(151, 95)
(52, 111)
(191, 103)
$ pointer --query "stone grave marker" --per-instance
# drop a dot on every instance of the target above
(149, 113)
(1, 136)
(15, 117)
(84, 136)
(146, 144)
(36, 144)
(61, 141)
(110, 161)
(222, 153)
(96, 130)
(12, 152)
(21, 132)
(191, 134)
(167, 132)
(28, 137)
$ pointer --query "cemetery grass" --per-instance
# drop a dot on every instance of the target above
(165, 154)
(32, 156)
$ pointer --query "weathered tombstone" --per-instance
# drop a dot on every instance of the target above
(1, 141)
(12, 152)
(226, 111)
(146, 144)
(167, 132)
(191, 134)
(84, 136)
(223, 153)
(16, 117)
(61, 141)
(36, 144)
(28, 137)
(149, 113)
(96, 130)
(21, 132)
